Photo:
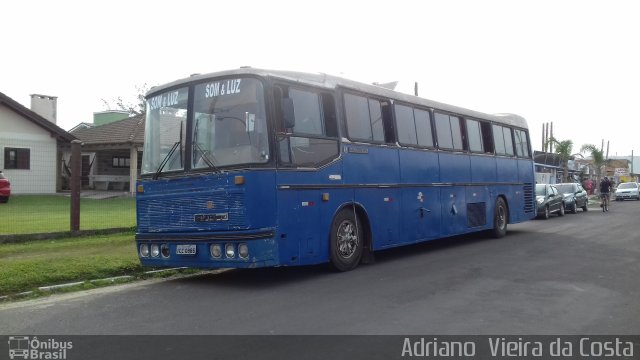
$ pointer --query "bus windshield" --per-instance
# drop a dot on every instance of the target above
(164, 133)
(230, 126)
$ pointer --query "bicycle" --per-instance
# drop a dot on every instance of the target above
(606, 197)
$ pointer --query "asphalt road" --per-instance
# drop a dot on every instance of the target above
(577, 274)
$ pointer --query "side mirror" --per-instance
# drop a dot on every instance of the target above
(288, 115)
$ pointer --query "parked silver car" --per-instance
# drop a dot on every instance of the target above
(628, 190)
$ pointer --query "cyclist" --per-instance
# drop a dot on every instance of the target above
(605, 191)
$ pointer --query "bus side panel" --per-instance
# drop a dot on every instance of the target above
(455, 172)
(289, 243)
(507, 170)
(508, 175)
(420, 204)
(374, 173)
(382, 206)
(370, 165)
(420, 213)
(483, 169)
(454, 168)
(304, 217)
(454, 210)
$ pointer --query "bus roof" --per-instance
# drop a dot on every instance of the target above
(333, 82)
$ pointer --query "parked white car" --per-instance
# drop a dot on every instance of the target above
(627, 190)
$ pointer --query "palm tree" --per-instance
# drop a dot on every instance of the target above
(598, 159)
(563, 150)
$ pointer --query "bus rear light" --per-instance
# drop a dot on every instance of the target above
(155, 250)
(144, 250)
(230, 250)
(216, 251)
(243, 251)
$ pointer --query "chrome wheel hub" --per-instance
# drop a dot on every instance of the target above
(347, 239)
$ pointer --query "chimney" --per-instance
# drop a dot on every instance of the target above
(45, 106)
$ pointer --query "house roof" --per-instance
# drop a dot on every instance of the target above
(129, 131)
(82, 125)
(29, 114)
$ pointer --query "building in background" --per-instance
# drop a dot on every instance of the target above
(32, 145)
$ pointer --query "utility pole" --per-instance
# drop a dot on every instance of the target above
(546, 137)
(551, 143)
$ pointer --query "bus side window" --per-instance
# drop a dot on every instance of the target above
(329, 115)
(498, 138)
(377, 124)
(278, 95)
(474, 136)
(306, 107)
(423, 127)
(449, 132)
(508, 141)
(487, 137)
(522, 145)
(367, 119)
(387, 120)
(405, 123)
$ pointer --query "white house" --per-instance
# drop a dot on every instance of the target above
(31, 145)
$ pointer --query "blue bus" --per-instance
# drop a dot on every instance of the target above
(255, 168)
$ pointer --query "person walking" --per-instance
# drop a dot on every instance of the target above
(605, 193)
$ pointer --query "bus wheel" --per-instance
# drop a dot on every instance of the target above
(347, 239)
(500, 219)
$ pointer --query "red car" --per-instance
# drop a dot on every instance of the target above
(5, 188)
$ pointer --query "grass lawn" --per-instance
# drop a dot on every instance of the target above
(26, 214)
(26, 266)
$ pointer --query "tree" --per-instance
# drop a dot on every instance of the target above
(136, 105)
(598, 158)
(563, 149)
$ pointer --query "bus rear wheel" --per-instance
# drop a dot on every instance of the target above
(500, 218)
(347, 237)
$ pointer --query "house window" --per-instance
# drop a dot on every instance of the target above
(121, 162)
(17, 158)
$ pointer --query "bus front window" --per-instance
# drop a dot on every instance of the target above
(230, 126)
(164, 134)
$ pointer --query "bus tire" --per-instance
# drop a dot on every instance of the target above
(500, 218)
(347, 240)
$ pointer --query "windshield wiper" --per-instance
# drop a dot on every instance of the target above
(165, 161)
(204, 156)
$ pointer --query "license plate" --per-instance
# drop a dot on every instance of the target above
(186, 250)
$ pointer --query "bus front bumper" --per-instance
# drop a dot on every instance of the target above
(236, 251)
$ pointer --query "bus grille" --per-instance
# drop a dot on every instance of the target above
(528, 198)
(179, 213)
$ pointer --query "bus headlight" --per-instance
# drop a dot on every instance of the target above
(155, 250)
(216, 251)
(144, 250)
(230, 251)
(164, 250)
(243, 251)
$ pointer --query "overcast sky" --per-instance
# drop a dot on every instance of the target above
(573, 63)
